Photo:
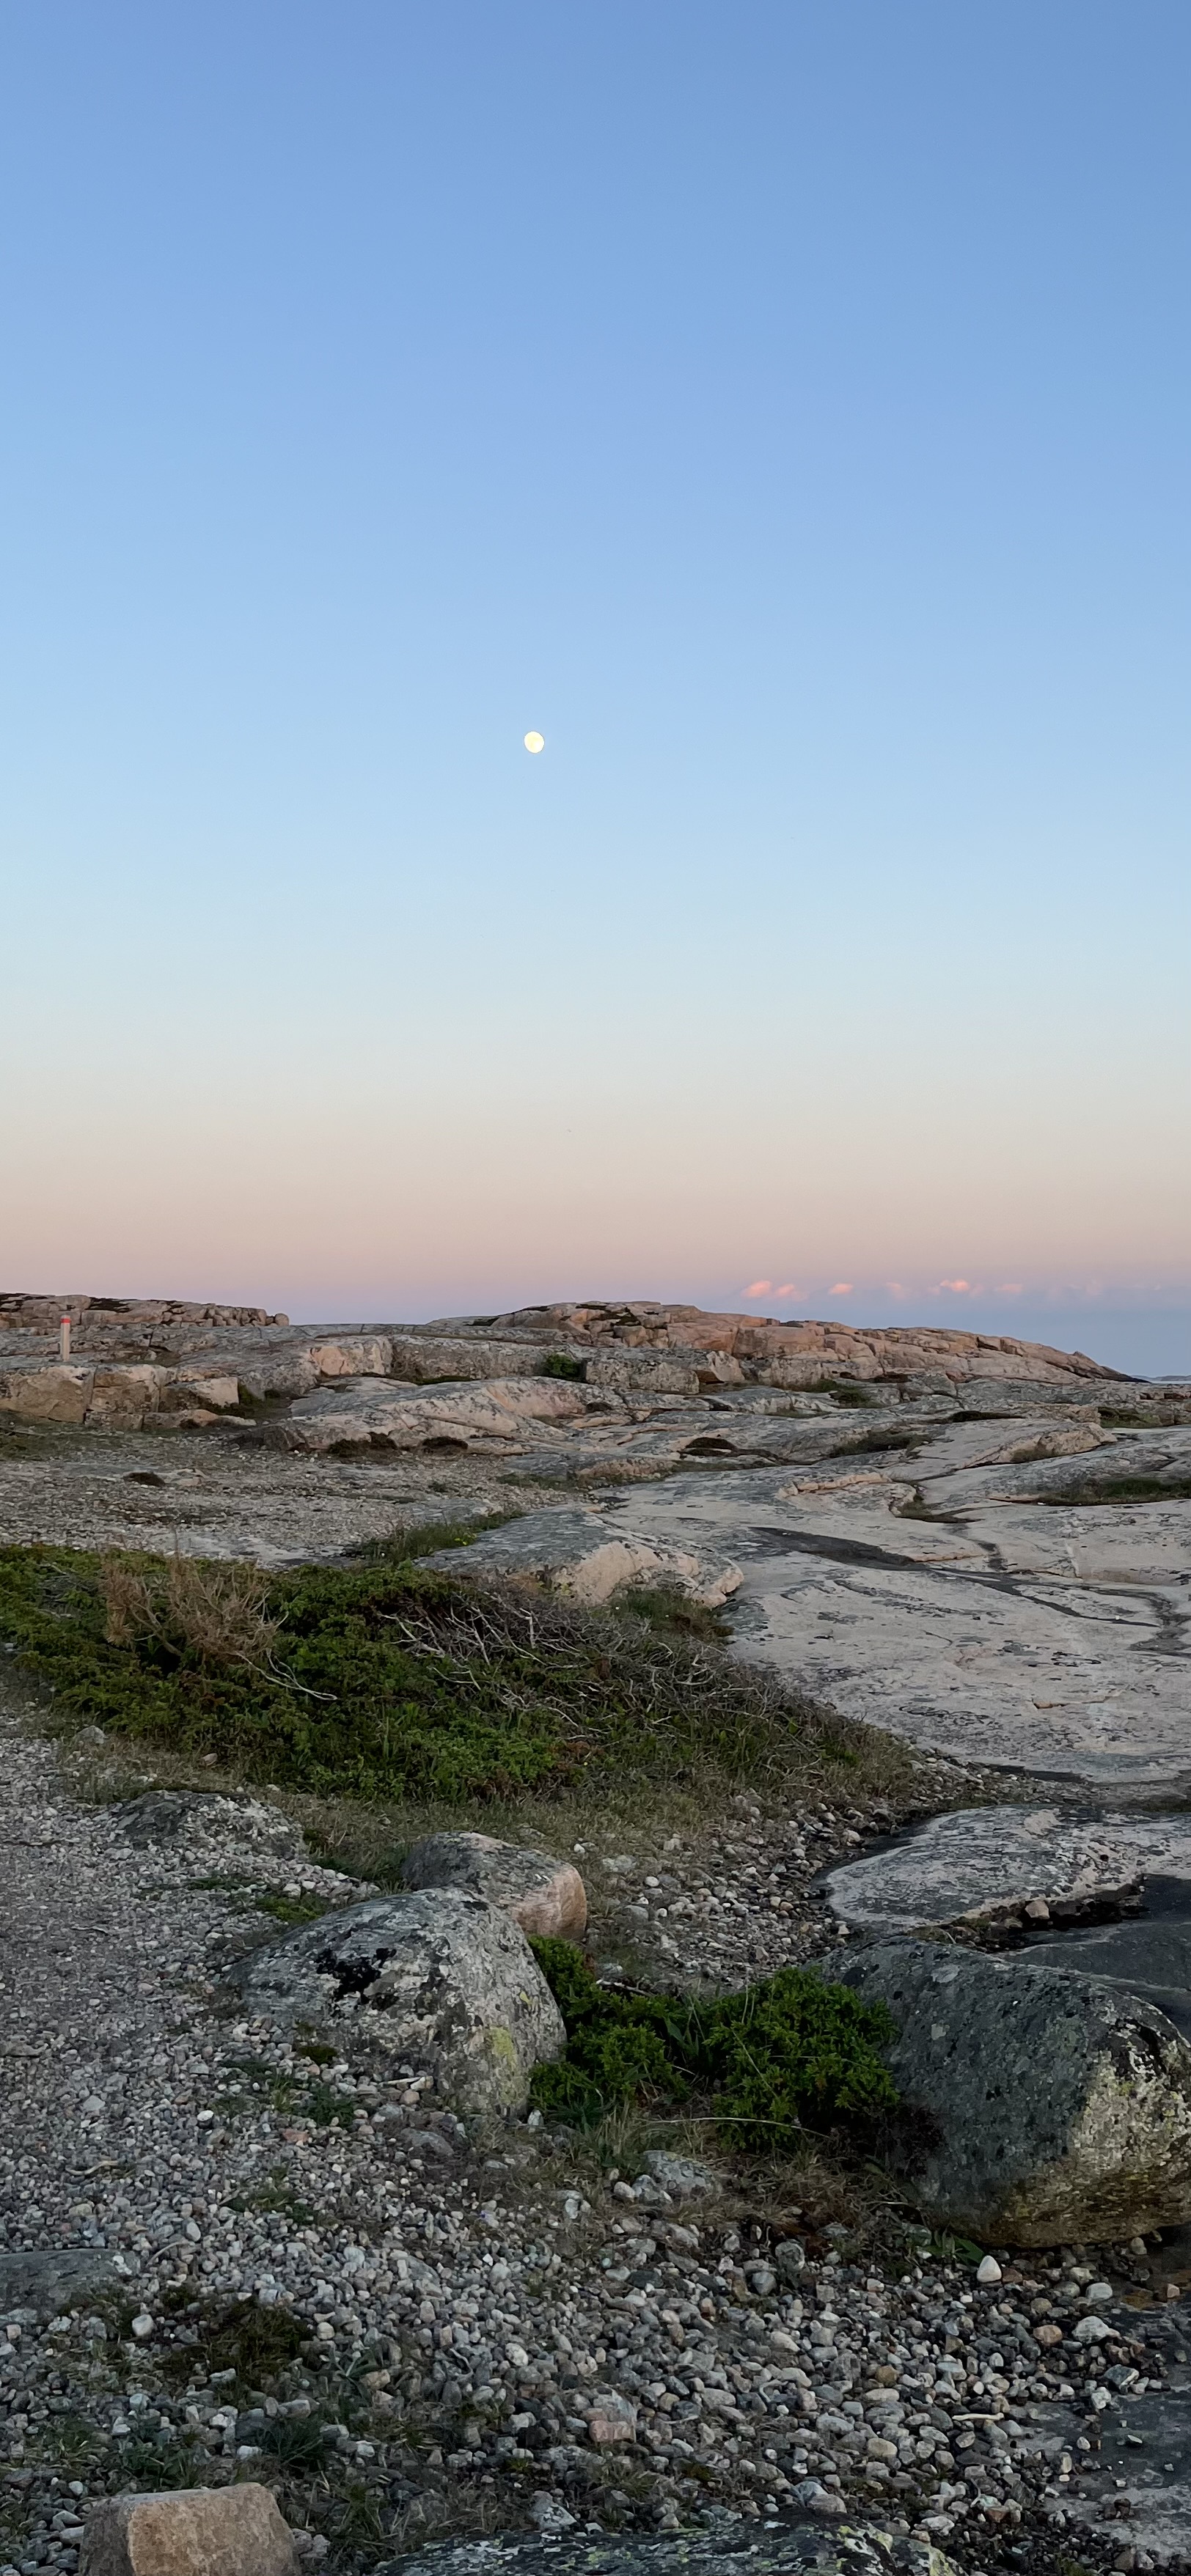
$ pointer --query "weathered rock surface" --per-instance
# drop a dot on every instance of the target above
(845, 2548)
(545, 1896)
(1062, 2107)
(990, 1863)
(427, 1358)
(379, 1413)
(968, 1607)
(437, 1977)
(195, 2531)
(42, 2284)
(830, 1349)
(584, 1554)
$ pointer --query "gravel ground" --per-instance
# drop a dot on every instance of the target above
(301, 2274)
(222, 1493)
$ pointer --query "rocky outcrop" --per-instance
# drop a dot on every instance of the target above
(42, 1314)
(438, 1978)
(546, 1897)
(195, 2531)
(377, 1413)
(585, 1555)
(810, 1352)
(1060, 2108)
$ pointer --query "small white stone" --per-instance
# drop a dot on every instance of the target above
(142, 2326)
(989, 2270)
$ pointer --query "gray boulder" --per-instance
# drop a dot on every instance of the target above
(437, 1978)
(546, 1897)
(205, 1816)
(1060, 2106)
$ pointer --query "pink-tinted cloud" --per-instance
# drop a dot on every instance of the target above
(841, 1288)
(958, 1287)
(788, 1291)
(1010, 1288)
(760, 1288)
(895, 1288)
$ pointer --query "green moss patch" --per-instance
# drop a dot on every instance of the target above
(788, 2054)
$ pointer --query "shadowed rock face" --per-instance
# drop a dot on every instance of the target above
(1061, 2106)
(438, 1977)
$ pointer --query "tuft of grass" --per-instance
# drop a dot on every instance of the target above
(291, 1909)
(561, 1364)
(672, 1613)
(789, 2053)
(1119, 1489)
(887, 1435)
(215, 1612)
(410, 1540)
(295, 2441)
(257, 2343)
(397, 1682)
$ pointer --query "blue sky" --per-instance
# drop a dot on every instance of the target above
(786, 409)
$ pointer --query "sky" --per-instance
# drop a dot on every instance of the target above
(785, 409)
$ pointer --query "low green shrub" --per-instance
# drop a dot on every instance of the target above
(790, 2053)
(397, 1681)
(561, 1364)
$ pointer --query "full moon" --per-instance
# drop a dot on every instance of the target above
(535, 742)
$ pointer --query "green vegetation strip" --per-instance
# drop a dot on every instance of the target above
(788, 2054)
(392, 1680)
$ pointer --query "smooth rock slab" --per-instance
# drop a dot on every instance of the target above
(588, 1557)
(960, 1656)
(438, 1977)
(191, 2531)
(546, 1897)
(1062, 2107)
(986, 1863)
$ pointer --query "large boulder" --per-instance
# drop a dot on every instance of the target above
(545, 1896)
(437, 1977)
(1060, 2107)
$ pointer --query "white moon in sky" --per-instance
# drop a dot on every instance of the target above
(535, 742)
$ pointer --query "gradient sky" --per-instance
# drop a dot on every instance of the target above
(787, 408)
